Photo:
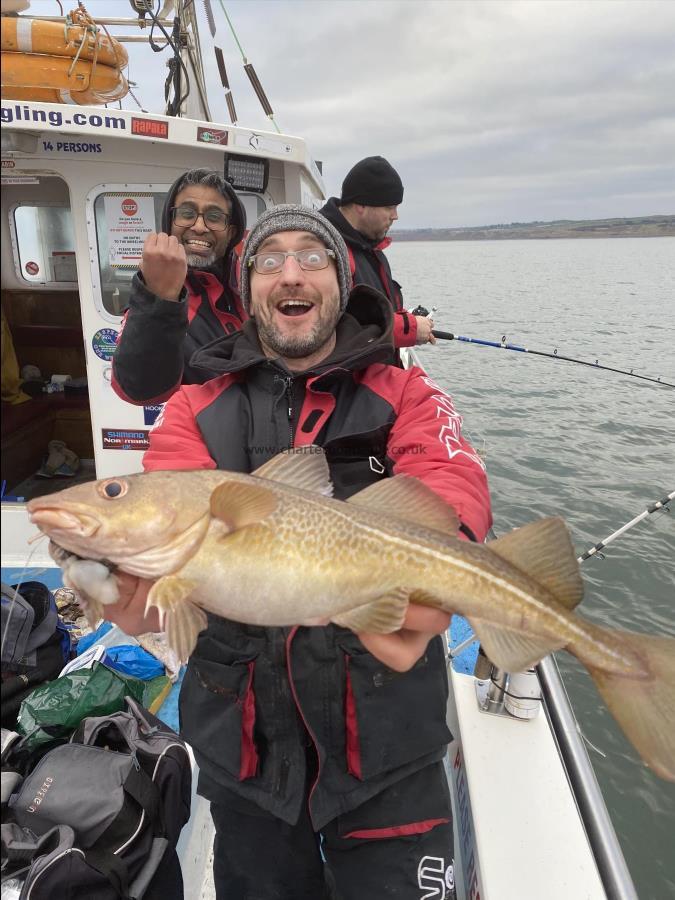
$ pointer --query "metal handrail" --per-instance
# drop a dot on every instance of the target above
(609, 858)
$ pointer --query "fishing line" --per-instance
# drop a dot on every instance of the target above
(504, 345)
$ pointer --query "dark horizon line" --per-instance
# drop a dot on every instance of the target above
(655, 219)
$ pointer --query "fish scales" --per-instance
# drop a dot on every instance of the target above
(273, 549)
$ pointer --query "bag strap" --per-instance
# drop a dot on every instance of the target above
(144, 791)
(112, 868)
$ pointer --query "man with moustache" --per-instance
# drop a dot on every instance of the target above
(320, 750)
(371, 194)
(183, 296)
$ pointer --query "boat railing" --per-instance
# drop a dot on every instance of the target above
(590, 802)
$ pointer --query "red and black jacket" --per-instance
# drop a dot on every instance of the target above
(370, 266)
(158, 337)
(253, 698)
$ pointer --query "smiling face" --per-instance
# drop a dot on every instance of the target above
(203, 246)
(295, 310)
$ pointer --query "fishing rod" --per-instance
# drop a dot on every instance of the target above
(663, 504)
(504, 345)
(595, 550)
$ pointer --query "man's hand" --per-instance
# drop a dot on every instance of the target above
(164, 265)
(401, 649)
(424, 333)
(129, 611)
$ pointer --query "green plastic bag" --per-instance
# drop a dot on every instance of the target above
(56, 708)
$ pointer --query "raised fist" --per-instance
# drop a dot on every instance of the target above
(164, 265)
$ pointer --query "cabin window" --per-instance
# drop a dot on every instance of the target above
(45, 244)
(123, 221)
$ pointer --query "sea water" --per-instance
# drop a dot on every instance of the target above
(561, 439)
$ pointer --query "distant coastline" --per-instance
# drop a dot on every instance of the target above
(637, 226)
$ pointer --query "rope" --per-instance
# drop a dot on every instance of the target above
(250, 72)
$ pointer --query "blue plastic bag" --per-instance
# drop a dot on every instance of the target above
(89, 640)
(130, 659)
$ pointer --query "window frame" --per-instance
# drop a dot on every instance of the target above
(42, 285)
(101, 190)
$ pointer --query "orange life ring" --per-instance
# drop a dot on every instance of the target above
(20, 34)
(61, 63)
(36, 76)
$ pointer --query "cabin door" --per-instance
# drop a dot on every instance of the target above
(46, 422)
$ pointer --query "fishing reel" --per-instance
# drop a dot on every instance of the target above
(423, 311)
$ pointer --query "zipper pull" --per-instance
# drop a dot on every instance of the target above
(135, 761)
(289, 396)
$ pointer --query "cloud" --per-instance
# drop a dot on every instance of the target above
(490, 111)
(504, 111)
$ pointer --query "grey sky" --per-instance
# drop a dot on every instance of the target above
(510, 110)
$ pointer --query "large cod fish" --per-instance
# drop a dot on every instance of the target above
(274, 549)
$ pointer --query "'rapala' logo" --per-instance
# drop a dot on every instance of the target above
(40, 794)
(149, 127)
(435, 878)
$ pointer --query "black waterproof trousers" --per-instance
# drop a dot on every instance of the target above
(399, 844)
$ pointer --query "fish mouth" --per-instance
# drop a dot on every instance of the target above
(48, 520)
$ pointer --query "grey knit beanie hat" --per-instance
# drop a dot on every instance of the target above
(292, 217)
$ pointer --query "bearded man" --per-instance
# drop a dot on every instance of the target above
(320, 750)
(184, 294)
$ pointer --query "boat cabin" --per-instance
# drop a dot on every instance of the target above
(81, 189)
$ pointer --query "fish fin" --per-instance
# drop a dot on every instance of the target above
(642, 701)
(424, 598)
(380, 616)
(543, 550)
(512, 650)
(239, 505)
(300, 467)
(181, 619)
(406, 497)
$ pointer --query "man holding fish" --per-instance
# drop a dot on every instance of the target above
(329, 741)
(302, 736)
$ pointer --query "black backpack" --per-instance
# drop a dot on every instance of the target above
(122, 786)
(35, 646)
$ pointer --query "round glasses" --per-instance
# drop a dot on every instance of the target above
(214, 219)
(273, 261)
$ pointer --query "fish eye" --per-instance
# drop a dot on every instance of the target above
(113, 489)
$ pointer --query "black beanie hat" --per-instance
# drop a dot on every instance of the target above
(372, 182)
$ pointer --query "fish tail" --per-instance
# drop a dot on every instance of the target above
(639, 691)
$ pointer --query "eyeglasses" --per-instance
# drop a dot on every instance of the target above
(273, 261)
(214, 219)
